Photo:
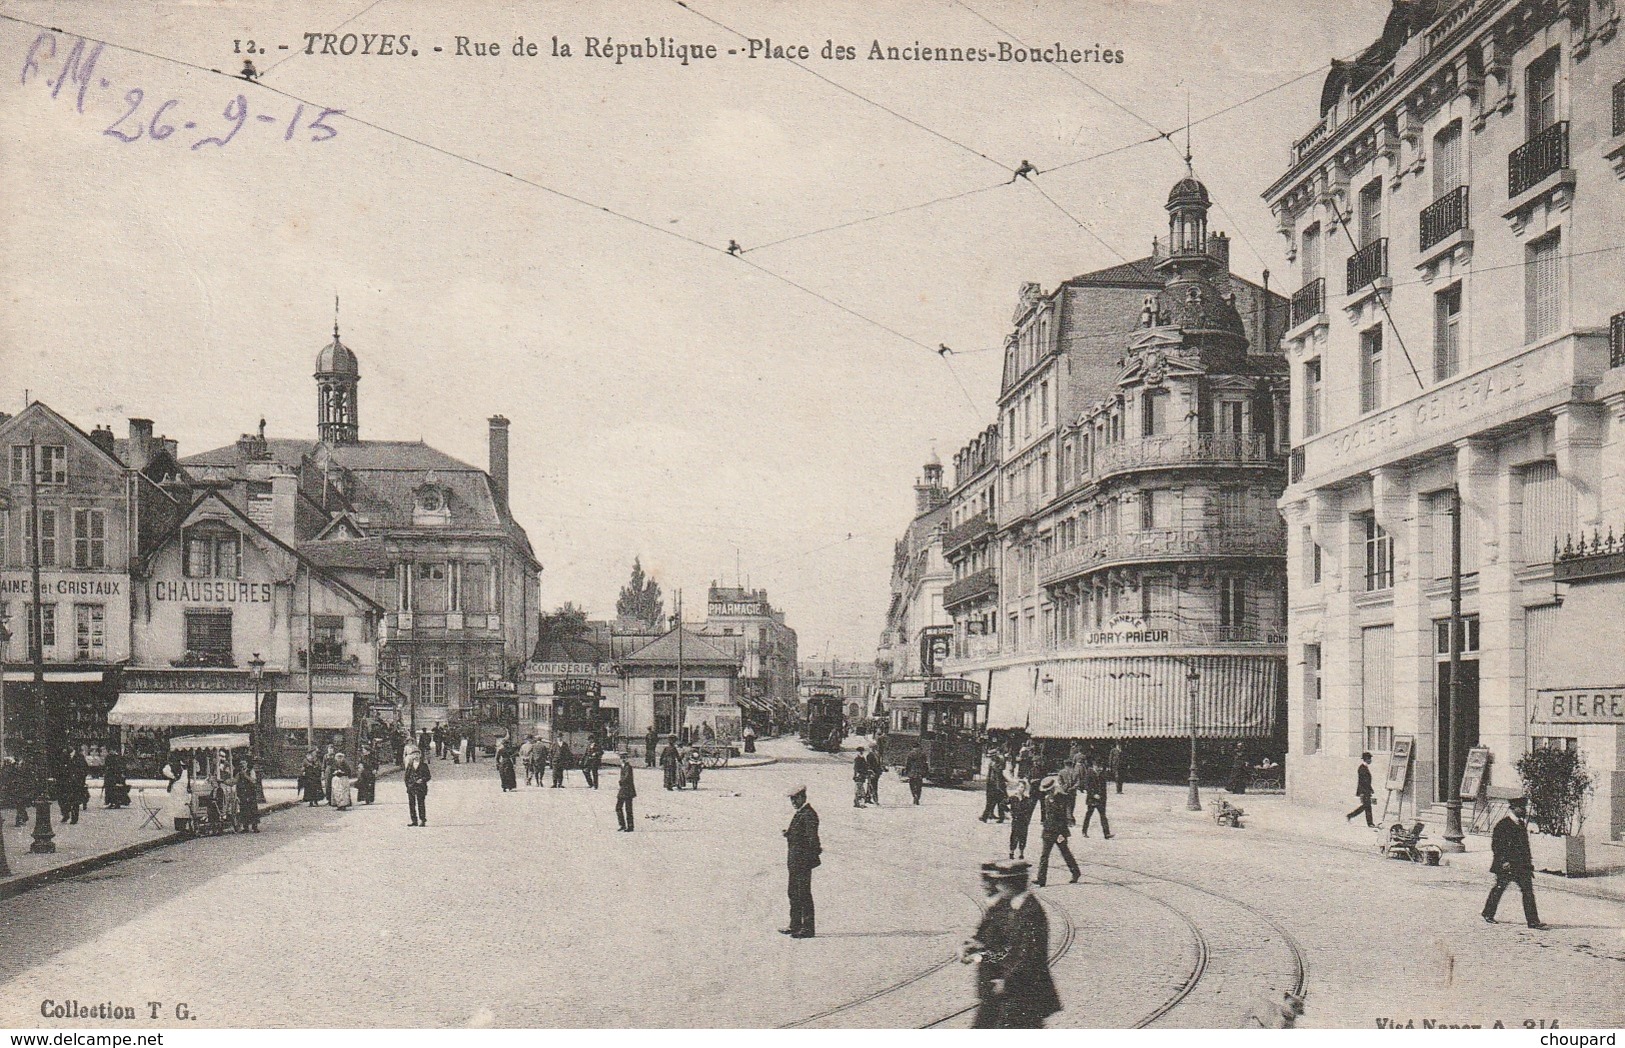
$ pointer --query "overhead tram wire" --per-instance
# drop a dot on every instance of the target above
(451, 154)
(862, 98)
(1342, 222)
(1081, 223)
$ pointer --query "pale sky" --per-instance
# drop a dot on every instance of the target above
(667, 400)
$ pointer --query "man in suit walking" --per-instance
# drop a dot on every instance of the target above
(1094, 791)
(877, 768)
(562, 759)
(1054, 829)
(860, 779)
(1363, 790)
(1510, 861)
(1011, 952)
(624, 792)
(996, 801)
(914, 769)
(417, 788)
(804, 855)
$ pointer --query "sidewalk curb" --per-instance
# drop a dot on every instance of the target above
(29, 881)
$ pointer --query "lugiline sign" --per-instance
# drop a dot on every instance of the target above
(1578, 706)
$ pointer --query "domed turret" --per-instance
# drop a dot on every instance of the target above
(1188, 191)
(338, 373)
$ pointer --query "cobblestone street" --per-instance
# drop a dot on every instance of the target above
(355, 919)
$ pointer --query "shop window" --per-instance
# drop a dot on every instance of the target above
(208, 637)
(212, 552)
(47, 618)
(1553, 742)
(327, 640)
(89, 538)
(89, 632)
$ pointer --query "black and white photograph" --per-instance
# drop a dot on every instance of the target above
(729, 515)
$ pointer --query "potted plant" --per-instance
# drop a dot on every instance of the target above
(1557, 784)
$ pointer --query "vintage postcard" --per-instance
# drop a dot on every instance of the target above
(840, 515)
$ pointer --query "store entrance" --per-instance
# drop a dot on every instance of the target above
(1466, 729)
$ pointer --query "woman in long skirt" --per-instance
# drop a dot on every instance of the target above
(341, 782)
(310, 780)
(505, 766)
(366, 778)
(247, 788)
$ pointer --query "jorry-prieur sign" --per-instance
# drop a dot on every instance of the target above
(1578, 706)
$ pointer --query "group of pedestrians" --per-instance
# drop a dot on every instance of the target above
(867, 768)
(330, 778)
(1016, 794)
(681, 763)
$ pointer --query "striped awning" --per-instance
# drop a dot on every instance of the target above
(1009, 694)
(183, 709)
(332, 710)
(1149, 697)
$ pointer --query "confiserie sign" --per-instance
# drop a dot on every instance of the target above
(1579, 706)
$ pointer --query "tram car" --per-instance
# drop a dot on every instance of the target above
(577, 714)
(825, 726)
(942, 716)
(493, 715)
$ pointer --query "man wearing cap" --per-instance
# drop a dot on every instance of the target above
(1094, 793)
(1011, 951)
(625, 791)
(1054, 829)
(804, 855)
(1510, 861)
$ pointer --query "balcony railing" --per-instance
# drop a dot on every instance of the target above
(969, 531)
(1616, 341)
(1310, 301)
(1545, 154)
(975, 586)
(1367, 264)
(1452, 20)
(1373, 88)
(1263, 540)
(1302, 146)
(1580, 558)
(1184, 449)
(1444, 216)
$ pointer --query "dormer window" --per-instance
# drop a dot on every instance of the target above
(212, 551)
(431, 505)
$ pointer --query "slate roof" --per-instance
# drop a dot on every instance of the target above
(697, 650)
(1129, 274)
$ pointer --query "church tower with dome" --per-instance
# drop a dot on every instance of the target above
(338, 374)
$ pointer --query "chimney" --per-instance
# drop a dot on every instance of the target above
(140, 443)
(284, 507)
(102, 437)
(499, 457)
(1218, 248)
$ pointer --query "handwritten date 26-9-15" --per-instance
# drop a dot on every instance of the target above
(158, 123)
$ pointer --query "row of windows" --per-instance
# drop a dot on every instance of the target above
(50, 464)
(1026, 416)
(445, 586)
(89, 629)
(75, 538)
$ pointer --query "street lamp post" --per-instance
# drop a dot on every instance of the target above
(1454, 839)
(1194, 801)
(5, 638)
(256, 673)
(44, 840)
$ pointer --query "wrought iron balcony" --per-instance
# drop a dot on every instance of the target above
(1444, 216)
(975, 586)
(1594, 559)
(1367, 264)
(967, 532)
(1616, 341)
(1309, 301)
(1184, 449)
(1158, 544)
(1544, 154)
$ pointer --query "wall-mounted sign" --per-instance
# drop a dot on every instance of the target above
(504, 687)
(547, 670)
(191, 680)
(1578, 706)
(211, 591)
(1126, 629)
(737, 607)
(52, 585)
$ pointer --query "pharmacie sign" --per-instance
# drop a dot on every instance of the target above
(1579, 706)
(52, 585)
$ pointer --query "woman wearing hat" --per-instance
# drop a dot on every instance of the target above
(1011, 951)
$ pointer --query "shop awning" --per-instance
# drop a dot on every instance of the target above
(16, 676)
(1009, 694)
(183, 709)
(221, 741)
(1149, 697)
(333, 709)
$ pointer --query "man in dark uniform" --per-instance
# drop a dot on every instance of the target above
(914, 769)
(1094, 793)
(860, 779)
(591, 761)
(1363, 790)
(624, 793)
(805, 853)
(1011, 951)
(562, 759)
(1510, 861)
(1054, 829)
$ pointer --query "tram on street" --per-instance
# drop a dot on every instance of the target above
(941, 716)
(825, 725)
(577, 713)
(493, 715)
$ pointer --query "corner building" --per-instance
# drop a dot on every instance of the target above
(1453, 214)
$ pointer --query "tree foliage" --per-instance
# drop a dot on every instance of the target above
(640, 601)
(566, 623)
(1557, 783)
